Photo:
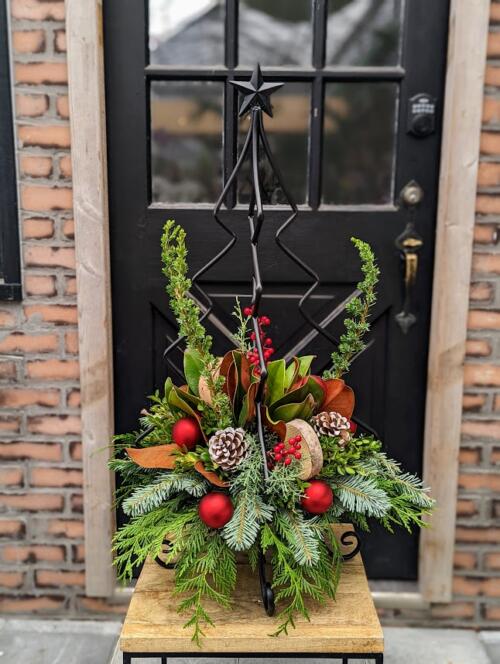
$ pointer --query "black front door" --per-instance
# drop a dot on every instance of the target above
(358, 119)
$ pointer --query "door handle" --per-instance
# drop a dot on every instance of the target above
(409, 244)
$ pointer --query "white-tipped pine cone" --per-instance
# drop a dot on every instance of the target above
(332, 424)
(228, 447)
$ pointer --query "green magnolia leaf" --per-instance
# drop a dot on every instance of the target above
(193, 365)
(292, 372)
(297, 396)
(275, 380)
(168, 387)
(292, 411)
(305, 364)
(178, 399)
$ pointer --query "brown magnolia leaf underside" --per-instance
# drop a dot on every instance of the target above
(209, 475)
(157, 456)
(164, 456)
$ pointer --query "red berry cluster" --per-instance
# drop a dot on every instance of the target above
(267, 342)
(284, 452)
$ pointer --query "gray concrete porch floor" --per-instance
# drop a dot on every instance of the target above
(94, 642)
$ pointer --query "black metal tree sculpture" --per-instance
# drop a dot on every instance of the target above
(256, 101)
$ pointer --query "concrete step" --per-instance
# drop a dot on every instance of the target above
(57, 641)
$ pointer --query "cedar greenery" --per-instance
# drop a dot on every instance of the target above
(268, 517)
(351, 341)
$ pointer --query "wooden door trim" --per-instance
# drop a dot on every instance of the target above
(450, 303)
(90, 207)
(455, 220)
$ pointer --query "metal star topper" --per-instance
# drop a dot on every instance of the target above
(256, 92)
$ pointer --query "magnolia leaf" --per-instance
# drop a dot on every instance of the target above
(292, 371)
(275, 380)
(292, 411)
(333, 387)
(156, 456)
(305, 364)
(247, 411)
(180, 399)
(209, 475)
(168, 387)
(311, 387)
(245, 376)
(277, 426)
(193, 367)
(342, 403)
(225, 364)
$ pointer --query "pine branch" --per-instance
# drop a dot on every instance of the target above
(149, 497)
(301, 536)
(360, 494)
(295, 583)
(358, 309)
(409, 499)
(251, 510)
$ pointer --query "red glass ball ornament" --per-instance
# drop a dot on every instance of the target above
(186, 432)
(215, 509)
(317, 498)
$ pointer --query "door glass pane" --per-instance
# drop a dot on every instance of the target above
(287, 132)
(359, 142)
(364, 32)
(275, 32)
(186, 32)
(186, 141)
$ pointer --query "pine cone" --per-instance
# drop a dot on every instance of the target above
(332, 424)
(228, 448)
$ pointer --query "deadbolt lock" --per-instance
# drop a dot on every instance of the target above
(412, 194)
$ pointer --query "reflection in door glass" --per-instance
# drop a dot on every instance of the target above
(275, 32)
(359, 143)
(364, 32)
(287, 132)
(186, 32)
(186, 141)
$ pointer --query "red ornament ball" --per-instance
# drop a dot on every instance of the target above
(215, 509)
(317, 498)
(186, 432)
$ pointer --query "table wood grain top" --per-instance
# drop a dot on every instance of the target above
(349, 624)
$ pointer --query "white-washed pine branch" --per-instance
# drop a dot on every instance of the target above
(146, 498)
(360, 494)
(300, 534)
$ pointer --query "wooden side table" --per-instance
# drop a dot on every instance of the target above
(348, 628)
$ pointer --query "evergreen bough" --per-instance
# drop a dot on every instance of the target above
(356, 324)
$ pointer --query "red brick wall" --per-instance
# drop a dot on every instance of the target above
(41, 528)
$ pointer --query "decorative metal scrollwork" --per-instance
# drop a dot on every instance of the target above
(347, 540)
(256, 93)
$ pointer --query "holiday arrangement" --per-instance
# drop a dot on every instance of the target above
(199, 480)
